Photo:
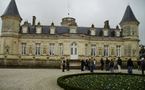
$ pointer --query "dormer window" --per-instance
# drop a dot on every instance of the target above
(106, 27)
(52, 28)
(25, 27)
(92, 30)
(117, 31)
(38, 28)
(73, 29)
(105, 32)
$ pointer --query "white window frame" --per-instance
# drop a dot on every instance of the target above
(61, 49)
(106, 50)
(93, 50)
(118, 51)
(51, 49)
(38, 49)
(23, 48)
(74, 49)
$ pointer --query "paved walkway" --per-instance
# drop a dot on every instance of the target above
(35, 79)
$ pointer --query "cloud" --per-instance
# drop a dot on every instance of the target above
(86, 12)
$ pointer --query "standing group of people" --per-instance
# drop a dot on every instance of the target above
(111, 64)
(88, 64)
(141, 65)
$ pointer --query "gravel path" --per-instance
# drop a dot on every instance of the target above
(34, 79)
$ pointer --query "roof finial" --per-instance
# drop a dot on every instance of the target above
(52, 24)
(68, 8)
(92, 26)
(128, 3)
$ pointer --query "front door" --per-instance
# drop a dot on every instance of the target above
(74, 51)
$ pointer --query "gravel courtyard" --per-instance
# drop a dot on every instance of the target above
(34, 79)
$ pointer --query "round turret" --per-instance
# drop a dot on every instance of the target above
(68, 21)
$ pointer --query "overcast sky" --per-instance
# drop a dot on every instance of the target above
(86, 12)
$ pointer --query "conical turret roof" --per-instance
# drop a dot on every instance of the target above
(129, 16)
(12, 10)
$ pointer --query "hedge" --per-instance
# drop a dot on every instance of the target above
(102, 81)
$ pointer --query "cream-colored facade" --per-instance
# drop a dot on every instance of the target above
(30, 41)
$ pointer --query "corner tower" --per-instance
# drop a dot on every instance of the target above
(11, 20)
(129, 24)
(130, 34)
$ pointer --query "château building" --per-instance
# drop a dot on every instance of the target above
(21, 43)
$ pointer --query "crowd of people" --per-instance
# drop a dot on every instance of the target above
(107, 64)
(104, 64)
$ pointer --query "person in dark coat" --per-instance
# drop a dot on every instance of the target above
(107, 64)
(139, 64)
(91, 66)
(102, 63)
(63, 65)
(130, 65)
(67, 65)
(111, 65)
(119, 64)
(142, 65)
(95, 64)
(82, 65)
(87, 64)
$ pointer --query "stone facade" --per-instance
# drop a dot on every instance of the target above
(31, 42)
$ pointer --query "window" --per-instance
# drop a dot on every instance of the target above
(37, 50)
(24, 29)
(60, 49)
(38, 30)
(93, 32)
(127, 31)
(72, 30)
(134, 52)
(129, 51)
(100, 51)
(51, 49)
(106, 50)
(86, 50)
(52, 30)
(93, 50)
(117, 33)
(73, 49)
(118, 50)
(112, 51)
(23, 49)
(105, 32)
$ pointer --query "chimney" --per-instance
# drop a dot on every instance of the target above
(34, 21)
(106, 24)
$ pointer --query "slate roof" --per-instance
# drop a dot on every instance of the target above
(12, 10)
(65, 30)
(129, 16)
